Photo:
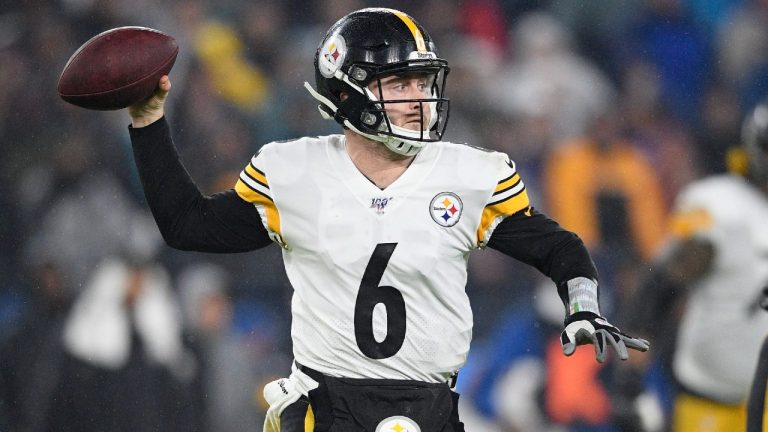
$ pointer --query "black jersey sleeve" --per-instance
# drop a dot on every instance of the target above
(539, 241)
(221, 222)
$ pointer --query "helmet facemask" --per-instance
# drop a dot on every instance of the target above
(432, 108)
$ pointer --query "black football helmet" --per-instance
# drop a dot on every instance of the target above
(755, 141)
(367, 45)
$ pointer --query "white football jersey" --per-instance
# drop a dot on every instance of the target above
(722, 329)
(379, 275)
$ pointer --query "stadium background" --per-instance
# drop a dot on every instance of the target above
(608, 108)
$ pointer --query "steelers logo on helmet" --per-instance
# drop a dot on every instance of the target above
(446, 208)
(398, 424)
(332, 55)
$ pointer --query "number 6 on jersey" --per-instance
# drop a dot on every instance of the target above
(371, 294)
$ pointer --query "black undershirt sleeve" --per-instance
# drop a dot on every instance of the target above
(539, 241)
(222, 222)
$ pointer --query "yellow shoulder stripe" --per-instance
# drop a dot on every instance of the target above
(504, 184)
(686, 224)
(255, 197)
(250, 194)
(256, 174)
(506, 207)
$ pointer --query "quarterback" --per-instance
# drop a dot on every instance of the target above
(376, 225)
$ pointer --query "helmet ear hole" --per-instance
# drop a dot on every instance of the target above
(360, 74)
(369, 119)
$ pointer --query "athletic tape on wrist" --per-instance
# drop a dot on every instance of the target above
(582, 296)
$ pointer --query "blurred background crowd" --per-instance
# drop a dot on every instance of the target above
(608, 108)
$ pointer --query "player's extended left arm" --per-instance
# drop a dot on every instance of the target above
(560, 254)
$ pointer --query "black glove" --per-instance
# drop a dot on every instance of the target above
(584, 328)
(764, 298)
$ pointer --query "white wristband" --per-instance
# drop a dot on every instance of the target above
(582, 296)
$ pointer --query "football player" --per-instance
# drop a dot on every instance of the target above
(716, 266)
(376, 225)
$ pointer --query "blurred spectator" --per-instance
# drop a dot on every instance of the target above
(742, 50)
(126, 367)
(221, 51)
(664, 140)
(598, 26)
(484, 20)
(84, 215)
(471, 116)
(235, 364)
(32, 357)
(666, 37)
(547, 81)
(604, 189)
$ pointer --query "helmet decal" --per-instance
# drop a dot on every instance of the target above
(332, 55)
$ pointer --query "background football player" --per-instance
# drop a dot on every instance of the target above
(711, 279)
(376, 225)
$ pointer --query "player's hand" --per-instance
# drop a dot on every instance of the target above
(584, 328)
(151, 109)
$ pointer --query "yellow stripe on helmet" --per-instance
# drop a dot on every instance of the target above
(421, 46)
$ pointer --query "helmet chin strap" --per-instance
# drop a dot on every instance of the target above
(403, 146)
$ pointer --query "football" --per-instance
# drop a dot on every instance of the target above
(117, 68)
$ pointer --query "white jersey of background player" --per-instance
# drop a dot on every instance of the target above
(719, 335)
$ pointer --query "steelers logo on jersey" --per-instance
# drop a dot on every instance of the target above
(445, 209)
(398, 424)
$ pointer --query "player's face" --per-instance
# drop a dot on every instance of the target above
(399, 87)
